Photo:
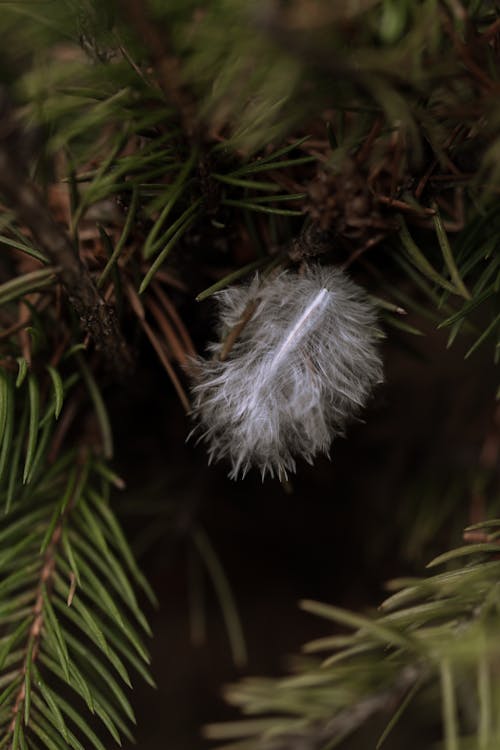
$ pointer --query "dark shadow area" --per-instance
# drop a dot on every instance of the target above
(340, 530)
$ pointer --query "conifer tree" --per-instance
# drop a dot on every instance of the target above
(303, 184)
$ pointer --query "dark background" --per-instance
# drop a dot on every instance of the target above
(397, 490)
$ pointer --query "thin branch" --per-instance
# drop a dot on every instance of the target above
(175, 317)
(157, 345)
(235, 332)
(177, 350)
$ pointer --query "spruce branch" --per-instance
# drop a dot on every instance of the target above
(324, 733)
(70, 622)
(97, 317)
(38, 616)
(438, 631)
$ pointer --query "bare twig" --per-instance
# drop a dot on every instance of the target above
(162, 356)
(235, 332)
(172, 339)
(157, 346)
(176, 320)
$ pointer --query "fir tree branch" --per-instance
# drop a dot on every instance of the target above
(69, 615)
(22, 195)
(35, 632)
(325, 733)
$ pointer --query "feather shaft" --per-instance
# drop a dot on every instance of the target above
(300, 328)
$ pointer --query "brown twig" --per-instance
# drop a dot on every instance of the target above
(160, 351)
(403, 206)
(464, 51)
(176, 320)
(248, 312)
(96, 317)
(171, 338)
(167, 278)
(370, 139)
(363, 249)
(23, 335)
(235, 332)
(138, 308)
(39, 305)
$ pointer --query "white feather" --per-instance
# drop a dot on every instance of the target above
(305, 362)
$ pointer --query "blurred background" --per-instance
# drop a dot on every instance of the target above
(397, 490)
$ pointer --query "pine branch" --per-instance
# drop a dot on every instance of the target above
(35, 631)
(95, 315)
(436, 631)
(65, 606)
(316, 735)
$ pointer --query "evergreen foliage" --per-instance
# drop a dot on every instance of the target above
(173, 148)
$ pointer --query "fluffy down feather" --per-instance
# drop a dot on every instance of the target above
(305, 362)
